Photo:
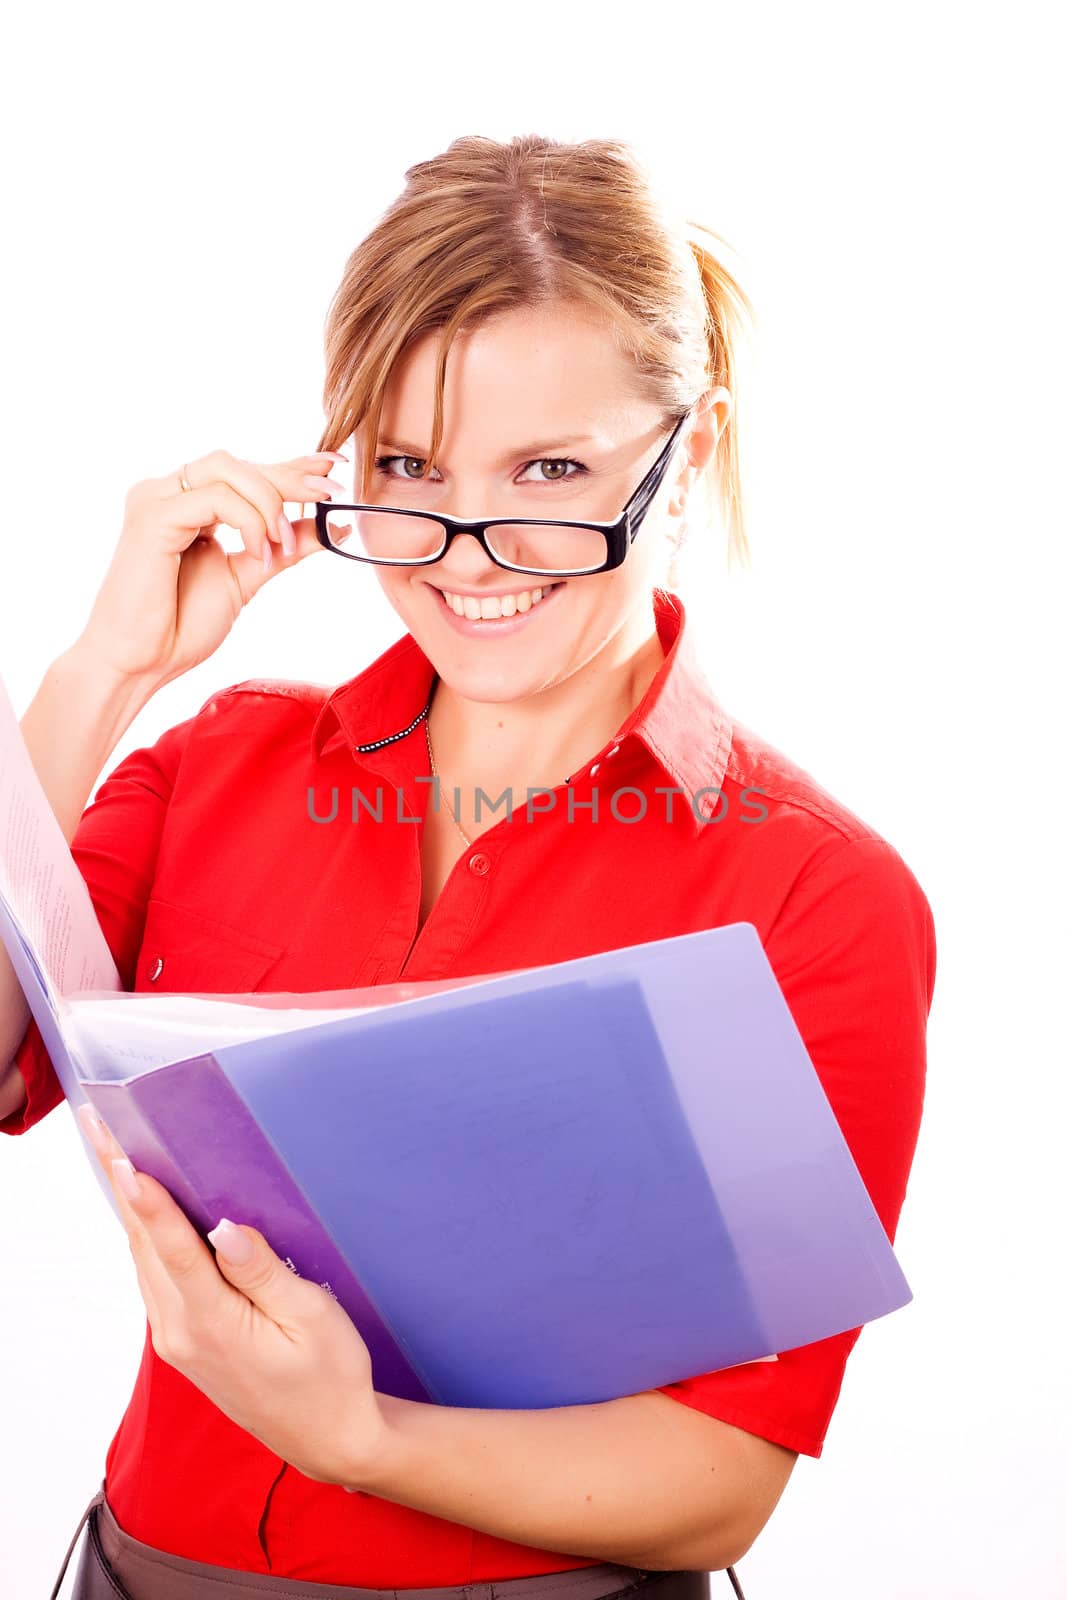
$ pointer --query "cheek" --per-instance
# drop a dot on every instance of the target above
(618, 592)
(646, 559)
(652, 551)
(397, 586)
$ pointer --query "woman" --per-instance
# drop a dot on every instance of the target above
(527, 337)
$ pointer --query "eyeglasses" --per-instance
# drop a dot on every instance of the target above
(390, 537)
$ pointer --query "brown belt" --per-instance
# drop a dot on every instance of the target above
(115, 1566)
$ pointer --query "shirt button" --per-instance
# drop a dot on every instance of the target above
(479, 863)
(157, 968)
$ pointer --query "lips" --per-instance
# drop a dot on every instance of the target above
(508, 603)
(496, 594)
(496, 627)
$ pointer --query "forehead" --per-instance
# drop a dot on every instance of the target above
(533, 374)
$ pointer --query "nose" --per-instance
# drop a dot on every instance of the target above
(465, 562)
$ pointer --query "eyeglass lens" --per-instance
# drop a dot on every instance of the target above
(395, 536)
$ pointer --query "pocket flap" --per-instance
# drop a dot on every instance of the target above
(186, 951)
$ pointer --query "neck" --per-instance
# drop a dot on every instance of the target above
(543, 738)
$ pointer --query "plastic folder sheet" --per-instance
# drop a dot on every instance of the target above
(552, 1188)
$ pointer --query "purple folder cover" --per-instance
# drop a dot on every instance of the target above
(556, 1187)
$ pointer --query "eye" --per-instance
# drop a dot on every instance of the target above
(383, 464)
(564, 461)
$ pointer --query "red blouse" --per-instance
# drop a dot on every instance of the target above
(209, 872)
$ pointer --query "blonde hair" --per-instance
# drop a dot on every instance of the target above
(487, 227)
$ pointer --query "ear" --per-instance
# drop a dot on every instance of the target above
(699, 439)
(707, 424)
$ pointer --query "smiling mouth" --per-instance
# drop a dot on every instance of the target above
(490, 607)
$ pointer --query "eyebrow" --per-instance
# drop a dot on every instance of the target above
(526, 450)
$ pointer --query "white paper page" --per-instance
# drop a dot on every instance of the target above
(132, 1033)
(43, 890)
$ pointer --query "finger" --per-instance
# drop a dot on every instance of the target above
(318, 459)
(222, 488)
(254, 486)
(316, 462)
(249, 1263)
(291, 486)
(250, 572)
(265, 487)
(156, 1290)
(101, 1138)
(239, 494)
(177, 521)
(297, 483)
(302, 489)
(176, 1269)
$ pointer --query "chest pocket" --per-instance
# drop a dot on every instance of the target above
(187, 952)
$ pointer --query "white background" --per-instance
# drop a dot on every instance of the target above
(181, 188)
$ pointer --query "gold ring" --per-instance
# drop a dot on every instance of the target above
(183, 479)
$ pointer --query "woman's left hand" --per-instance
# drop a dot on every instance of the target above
(274, 1351)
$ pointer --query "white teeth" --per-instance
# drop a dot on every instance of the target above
(494, 605)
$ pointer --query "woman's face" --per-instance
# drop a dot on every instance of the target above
(547, 377)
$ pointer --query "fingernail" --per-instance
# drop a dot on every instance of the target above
(268, 557)
(231, 1243)
(338, 455)
(126, 1178)
(285, 528)
(90, 1121)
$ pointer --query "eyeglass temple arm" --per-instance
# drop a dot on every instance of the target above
(648, 486)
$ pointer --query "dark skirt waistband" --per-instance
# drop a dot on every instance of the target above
(115, 1566)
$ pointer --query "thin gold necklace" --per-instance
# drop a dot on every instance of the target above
(436, 774)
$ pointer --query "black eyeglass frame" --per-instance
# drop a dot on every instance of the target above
(619, 535)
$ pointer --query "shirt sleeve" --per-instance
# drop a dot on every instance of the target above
(853, 950)
(115, 846)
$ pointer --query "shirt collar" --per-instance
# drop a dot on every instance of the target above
(678, 719)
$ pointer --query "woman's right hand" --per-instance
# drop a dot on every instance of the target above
(172, 593)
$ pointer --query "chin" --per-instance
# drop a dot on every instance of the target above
(482, 682)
